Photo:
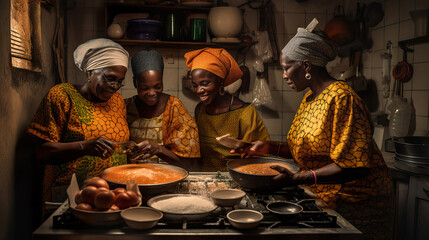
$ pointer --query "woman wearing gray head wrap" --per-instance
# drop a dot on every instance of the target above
(331, 139)
(159, 123)
(76, 127)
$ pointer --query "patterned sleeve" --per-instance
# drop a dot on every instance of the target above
(50, 119)
(181, 131)
(351, 133)
(254, 128)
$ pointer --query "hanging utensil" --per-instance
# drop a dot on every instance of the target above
(403, 71)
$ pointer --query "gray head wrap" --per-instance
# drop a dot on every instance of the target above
(314, 47)
(147, 60)
(100, 53)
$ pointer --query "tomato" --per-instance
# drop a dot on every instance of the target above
(118, 190)
(88, 194)
(104, 200)
(134, 199)
(97, 182)
(84, 206)
(126, 199)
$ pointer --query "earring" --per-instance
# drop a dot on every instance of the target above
(308, 76)
(222, 90)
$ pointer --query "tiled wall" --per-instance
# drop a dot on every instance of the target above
(86, 21)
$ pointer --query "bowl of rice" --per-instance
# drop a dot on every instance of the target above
(179, 207)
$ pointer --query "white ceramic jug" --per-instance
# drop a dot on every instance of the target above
(225, 23)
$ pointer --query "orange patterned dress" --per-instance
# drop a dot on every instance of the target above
(178, 128)
(336, 127)
(66, 116)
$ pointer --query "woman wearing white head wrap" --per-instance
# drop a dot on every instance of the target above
(77, 126)
(331, 139)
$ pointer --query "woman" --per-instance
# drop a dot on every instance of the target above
(78, 126)
(220, 113)
(331, 139)
(158, 122)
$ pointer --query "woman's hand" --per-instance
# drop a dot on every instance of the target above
(285, 178)
(144, 150)
(99, 147)
(260, 147)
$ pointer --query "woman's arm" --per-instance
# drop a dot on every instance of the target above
(329, 174)
(58, 153)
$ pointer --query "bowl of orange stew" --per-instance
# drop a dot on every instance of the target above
(152, 178)
(255, 173)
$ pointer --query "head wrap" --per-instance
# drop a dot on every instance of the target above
(147, 60)
(100, 53)
(314, 47)
(217, 61)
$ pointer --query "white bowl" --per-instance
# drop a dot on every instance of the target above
(141, 217)
(227, 197)
(244, 218)
(225, 22)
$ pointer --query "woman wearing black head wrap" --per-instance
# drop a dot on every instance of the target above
(331, 139)
(159, 123)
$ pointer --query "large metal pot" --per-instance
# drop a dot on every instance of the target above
(412, 147)
(150, 189)
(253, 181)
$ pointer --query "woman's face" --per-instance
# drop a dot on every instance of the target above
(106, 81)
(293, 73)
(205, 84)
(149, 86)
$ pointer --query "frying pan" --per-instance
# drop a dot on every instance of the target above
(287, 211)
(403, 71)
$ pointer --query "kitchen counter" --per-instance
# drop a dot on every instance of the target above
(342, 230)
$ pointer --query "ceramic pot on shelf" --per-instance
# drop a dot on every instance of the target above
(225, 23)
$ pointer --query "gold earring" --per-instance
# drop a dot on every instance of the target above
(308, 76)
(222, 90)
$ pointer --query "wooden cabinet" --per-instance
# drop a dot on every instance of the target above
(157, 12)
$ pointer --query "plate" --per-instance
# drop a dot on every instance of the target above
(198, 4)
(226, 40)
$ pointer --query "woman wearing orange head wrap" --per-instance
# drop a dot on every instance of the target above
(220, 113)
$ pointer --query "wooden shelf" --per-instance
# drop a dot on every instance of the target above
(405, 43)
(170, 44)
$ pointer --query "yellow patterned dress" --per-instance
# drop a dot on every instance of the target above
(336, 127)
(66, 116)
(175, 128)
(243, 123)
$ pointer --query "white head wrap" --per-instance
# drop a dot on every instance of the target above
(314, 47)
(100, 53)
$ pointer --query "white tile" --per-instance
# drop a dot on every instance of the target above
(280, 42)
(287, 38)
(406, 30)
(421, 126)
(320, 6)
(376, 75)
(189, 101)
(292, 6)
(170, 79)
(172, 93)
(278, 5)
(391, 11)
(278, 16)
(275, 79)
(292, 21)
(420, 77)
(378, 39)
(421, 103)
(170, 57)
(421, 53)
(391, 33)
(251, 18)
(376, 59)
(99, 20)
(127, 93)
(366, 58)
(405, 6)
(276, 104)
(277, 138)
(291, 101)
(273, 125)
(182, 60)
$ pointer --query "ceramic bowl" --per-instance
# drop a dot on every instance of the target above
(227, 197)
(244, 218)
(141, 217)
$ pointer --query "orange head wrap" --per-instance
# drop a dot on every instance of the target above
(217, 61)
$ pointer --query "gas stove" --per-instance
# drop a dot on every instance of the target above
(312, 223)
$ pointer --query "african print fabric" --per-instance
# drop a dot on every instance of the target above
(242, 123)
(147, 129)
(66, 116)
(179, 130)
(336, 127)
